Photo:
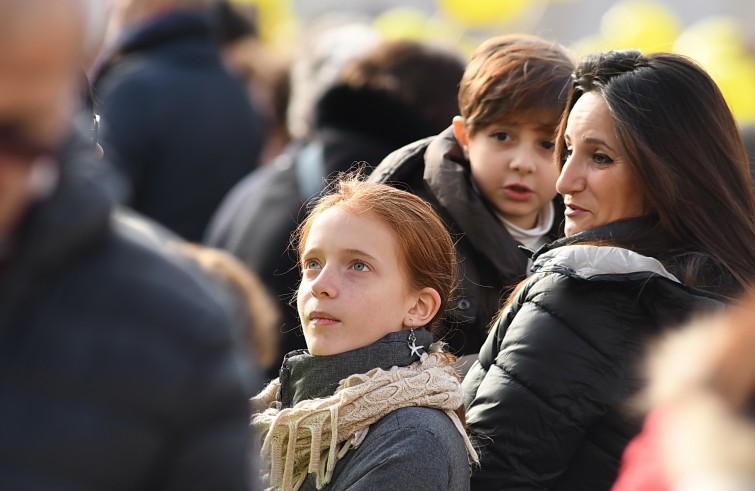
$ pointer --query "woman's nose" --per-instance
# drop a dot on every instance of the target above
(571, 179)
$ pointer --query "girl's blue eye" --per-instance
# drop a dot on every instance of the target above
(360, 266)
(311, 264)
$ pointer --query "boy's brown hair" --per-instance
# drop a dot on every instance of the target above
(514, 75)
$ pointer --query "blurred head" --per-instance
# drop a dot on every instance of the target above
(675, 149)
(43, 47)
(127, 13)
(374, 260)
(511, 96)
(326, 49)
(420, 75)
(259, 311)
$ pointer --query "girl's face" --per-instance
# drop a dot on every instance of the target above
(512, 165)
(353, 290)
(597, 184)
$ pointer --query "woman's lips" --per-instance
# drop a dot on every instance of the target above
(572, 211)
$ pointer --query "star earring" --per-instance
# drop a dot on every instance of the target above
(412, 343)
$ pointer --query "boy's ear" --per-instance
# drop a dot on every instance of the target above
(424, 309)
(461, 135)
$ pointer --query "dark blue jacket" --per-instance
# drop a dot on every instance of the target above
(176, 123)
(119, 366)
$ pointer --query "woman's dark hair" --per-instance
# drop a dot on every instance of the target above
(684, 148)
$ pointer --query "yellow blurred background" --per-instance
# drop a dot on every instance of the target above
(716, 34)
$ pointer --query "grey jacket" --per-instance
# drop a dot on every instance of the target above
(412, 448)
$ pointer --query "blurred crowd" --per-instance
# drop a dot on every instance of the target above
(158, 161)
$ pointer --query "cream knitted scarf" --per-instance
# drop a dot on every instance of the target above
(314, 434)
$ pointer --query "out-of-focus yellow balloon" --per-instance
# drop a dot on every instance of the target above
(589, 44)
(719, 45)
(483, 13)
(412, 23)
(275, 19)
(646, 25)
(736, 78)
(401, 23)
(711, 39)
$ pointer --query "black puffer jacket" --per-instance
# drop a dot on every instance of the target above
(547, 397)
(490, 261)
(118, 365)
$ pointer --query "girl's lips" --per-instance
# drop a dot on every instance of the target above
(322, 319)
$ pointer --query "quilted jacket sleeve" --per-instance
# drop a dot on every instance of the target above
(551, 367)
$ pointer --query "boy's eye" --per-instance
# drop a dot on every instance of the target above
(548, 145)
(500, 135)
(360, 266)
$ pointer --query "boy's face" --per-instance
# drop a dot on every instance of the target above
(512, 165)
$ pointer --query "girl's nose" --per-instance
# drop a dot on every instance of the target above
(324, 285)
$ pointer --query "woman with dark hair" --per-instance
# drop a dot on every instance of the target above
(659, 224)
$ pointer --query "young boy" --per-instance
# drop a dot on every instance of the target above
(492, 175)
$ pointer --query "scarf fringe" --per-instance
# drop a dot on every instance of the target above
(317, 433)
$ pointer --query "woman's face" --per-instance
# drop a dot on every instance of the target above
(596, 181)
(353, 291)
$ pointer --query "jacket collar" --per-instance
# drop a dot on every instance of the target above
(610, 232)
(575, 257)
(304, 376)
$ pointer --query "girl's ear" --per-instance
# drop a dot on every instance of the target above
(424, 309)
(461, 135)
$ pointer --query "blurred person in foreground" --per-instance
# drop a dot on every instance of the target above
(700, 432)
(394, 93)
(119, 365)
(176, 123)
(659, 224)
